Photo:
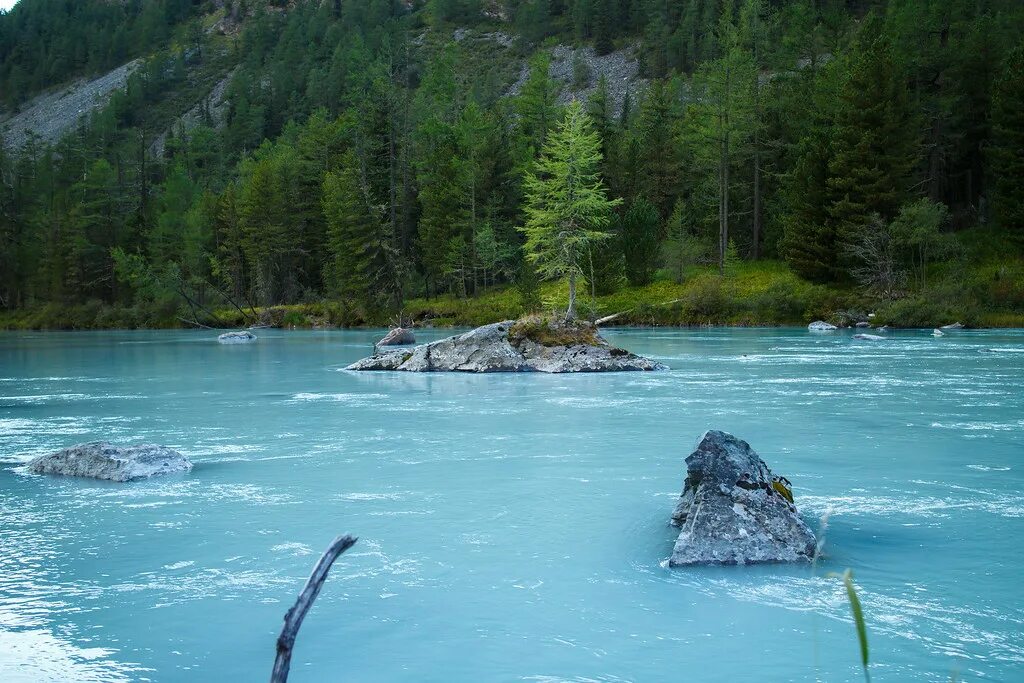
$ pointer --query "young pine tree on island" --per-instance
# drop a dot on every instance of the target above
(567, 205)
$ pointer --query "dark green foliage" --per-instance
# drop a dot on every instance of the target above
(640, 243)
(367, 156)
(1007, 150)
(874, 141)
(47, 42)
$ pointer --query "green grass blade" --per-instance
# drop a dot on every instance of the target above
(858, 620)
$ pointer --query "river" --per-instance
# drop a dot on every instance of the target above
(512, 527)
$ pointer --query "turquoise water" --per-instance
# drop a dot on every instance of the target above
(512, 527)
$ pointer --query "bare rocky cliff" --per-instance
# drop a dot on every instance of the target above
(51, 115)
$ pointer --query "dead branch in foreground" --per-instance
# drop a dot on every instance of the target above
(294, 616)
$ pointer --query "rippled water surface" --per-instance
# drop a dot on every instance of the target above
(512, 527)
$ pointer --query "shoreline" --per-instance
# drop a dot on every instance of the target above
(764, 294)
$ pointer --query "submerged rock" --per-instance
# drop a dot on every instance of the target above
(494, 348)
(937, 333)
(821, 326)
(400, 336)
(243, 337)
(733, 510)
(102, 460)
(870, 337)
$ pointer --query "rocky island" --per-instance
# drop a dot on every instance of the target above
(532, 344)
(733, 510)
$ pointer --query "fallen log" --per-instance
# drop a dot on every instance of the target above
(294, 616)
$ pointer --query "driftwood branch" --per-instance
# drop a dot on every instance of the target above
(608, 318)
(293, 618)
(613, 316)
(196, 323)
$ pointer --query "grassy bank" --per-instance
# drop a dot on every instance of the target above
(765, 293)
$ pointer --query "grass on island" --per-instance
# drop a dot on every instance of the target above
(553, 331)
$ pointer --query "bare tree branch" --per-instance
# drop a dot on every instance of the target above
(293, 618)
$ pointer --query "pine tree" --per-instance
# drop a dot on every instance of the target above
(567, 207)
(1006, 154)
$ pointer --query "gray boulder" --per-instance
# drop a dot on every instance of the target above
(400, 336)
(821, 326)
(243, 337)
(102, 460)
(733, 510)
(492, 348)
(870, 337)
(954, 326)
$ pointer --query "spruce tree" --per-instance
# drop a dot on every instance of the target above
(640, 241)
(655, 132)
(603, 26)
(1006, 154)
(360, 260)
(874, 137)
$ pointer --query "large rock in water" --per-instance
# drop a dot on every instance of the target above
(102, 460)
(491, 348)
(734, 510)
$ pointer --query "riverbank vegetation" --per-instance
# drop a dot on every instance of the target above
(765, 293)
(765, 163)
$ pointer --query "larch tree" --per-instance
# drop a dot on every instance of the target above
(567, 206)
(723, 120)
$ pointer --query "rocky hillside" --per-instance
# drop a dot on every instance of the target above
(52, 114)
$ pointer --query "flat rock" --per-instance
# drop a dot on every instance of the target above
(243, 337)
(954, 326)
(870, 337)
(821, 326)
(102, 460)
(400, 336)
(490, 349)
(733, 510)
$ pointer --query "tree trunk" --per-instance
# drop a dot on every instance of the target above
(570, 314)
(756, 237)
(725, 201)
